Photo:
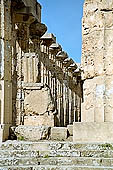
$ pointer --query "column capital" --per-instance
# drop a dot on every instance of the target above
(37, 29)
(61, 55)
(67, 62)
(55, 48)
(72, 67)
(47, 39)
(25, 11)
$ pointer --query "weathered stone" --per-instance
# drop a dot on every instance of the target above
(31, 133)
(39, 107)
(93, 132)
(55, 155)
(59, 133)
(38, 102)
(97, 62)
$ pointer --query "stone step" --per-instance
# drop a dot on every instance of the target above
(18, 154)
(54, 145)
(52, 154)
(12, 161)
(56, 161)
(59, 153)
(56, 153)
(76, 153)
(76, 161)
(17, 161)
(48, 167)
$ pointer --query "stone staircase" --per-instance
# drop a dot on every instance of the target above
(52, 155)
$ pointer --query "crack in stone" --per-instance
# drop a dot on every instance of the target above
(106, 10)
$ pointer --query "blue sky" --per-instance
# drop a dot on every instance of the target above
(64, 18)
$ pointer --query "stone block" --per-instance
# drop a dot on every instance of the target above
(93, 132)
(70, 130)
(31, 133)
(39, 106)
(59, 133)
(37, 102)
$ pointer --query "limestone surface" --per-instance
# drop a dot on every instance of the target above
(97, 61)
(38, 102)
(55, 155)
(31, 133)
(59, 133)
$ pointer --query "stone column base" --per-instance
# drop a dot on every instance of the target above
(4, 132)
(93, 132)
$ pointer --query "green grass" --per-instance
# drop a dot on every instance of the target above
(46, 156)
(107, 146)
(21, 138)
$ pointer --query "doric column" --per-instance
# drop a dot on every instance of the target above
(26, 18)
(46, 40)
(5, 67)
(71, 69)
(70, 106)
(66, 63)
(60, 57)
(74, 99)
(57, 87)
(42, 71)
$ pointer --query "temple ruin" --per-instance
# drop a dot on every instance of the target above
(42, 88)
(55, 114)
(40, 84)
